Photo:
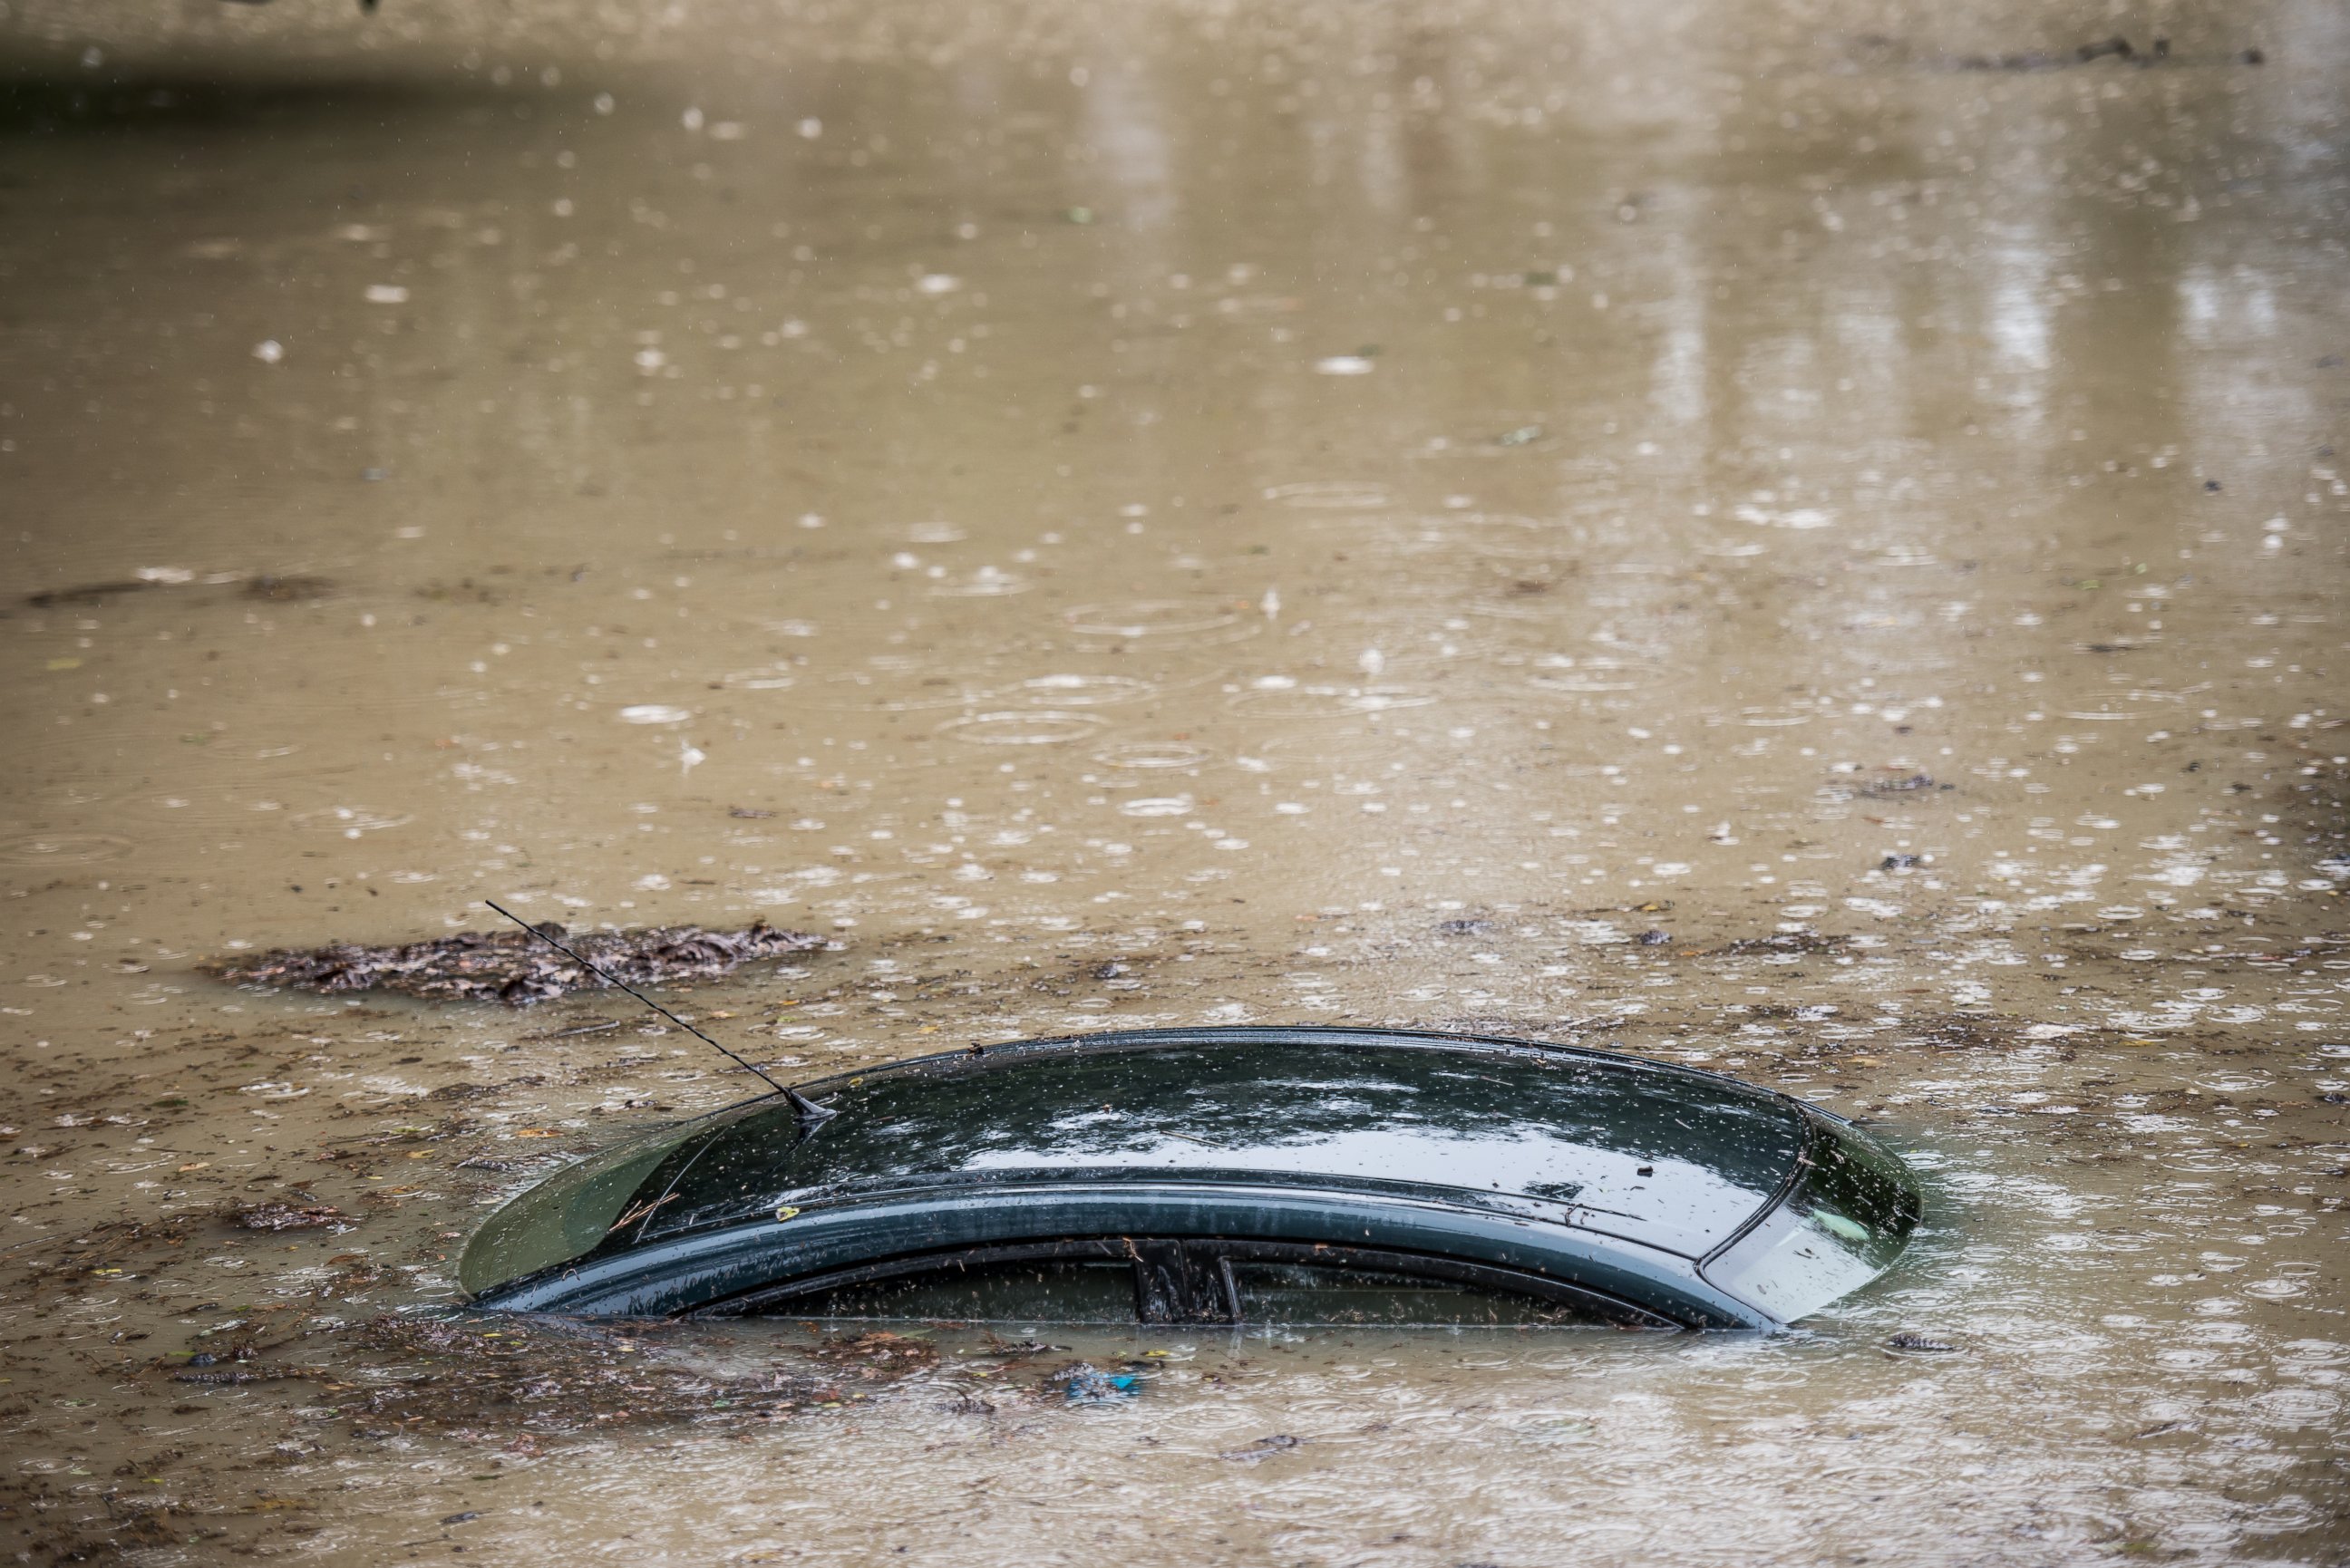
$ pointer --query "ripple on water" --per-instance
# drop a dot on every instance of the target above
(1331, 494)
(350, 821)
(899, 692)
(71, 794)
(1799, 518)
(1035, 727)
(2275, 1290)
(653, 713)
(1175, 623)
(61, 848)
(1529, 609)
(1595, 672)
(1153, 754)
(1502, 432)
(1331, 701)
(767, 677)
(1499, 535)
(1875, 1477)
(986, 582)
(1079, 690)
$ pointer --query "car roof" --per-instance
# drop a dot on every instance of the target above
(1459, 1146)
(1670, 1158)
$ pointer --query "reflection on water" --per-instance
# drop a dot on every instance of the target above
(1771, 537)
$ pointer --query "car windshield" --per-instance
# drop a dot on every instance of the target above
(1147, 1280)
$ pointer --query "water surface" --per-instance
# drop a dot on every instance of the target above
(1171, 514)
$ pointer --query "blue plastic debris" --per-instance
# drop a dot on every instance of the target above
(1089, 1385)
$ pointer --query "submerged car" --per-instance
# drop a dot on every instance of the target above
(1224, 1176)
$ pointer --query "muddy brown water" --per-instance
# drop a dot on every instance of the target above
(1166, 513)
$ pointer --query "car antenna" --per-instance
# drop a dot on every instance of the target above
(810, 1111)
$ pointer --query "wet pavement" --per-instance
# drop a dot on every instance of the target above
(1738, 533)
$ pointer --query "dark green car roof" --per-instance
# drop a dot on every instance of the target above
(1607, 1173)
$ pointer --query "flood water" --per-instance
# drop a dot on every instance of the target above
(1156, 514)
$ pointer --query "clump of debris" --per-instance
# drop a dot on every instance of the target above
(515, 967)
(286, 1217)
(1802, 941)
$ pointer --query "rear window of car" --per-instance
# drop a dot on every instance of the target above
(1096, 1290)
(1848, 1217)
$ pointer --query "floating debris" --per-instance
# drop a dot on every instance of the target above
(595, 1026)
(286, 1217)
(269, 586)
(85, 593)
(511, 968)
(998, 1346)
(1806, 941)
(276, 590)
(2117, 49)
(1086, 1384)
(1910, 1343)
(1262, 1450)
(1902, 785)
(876, 1352)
